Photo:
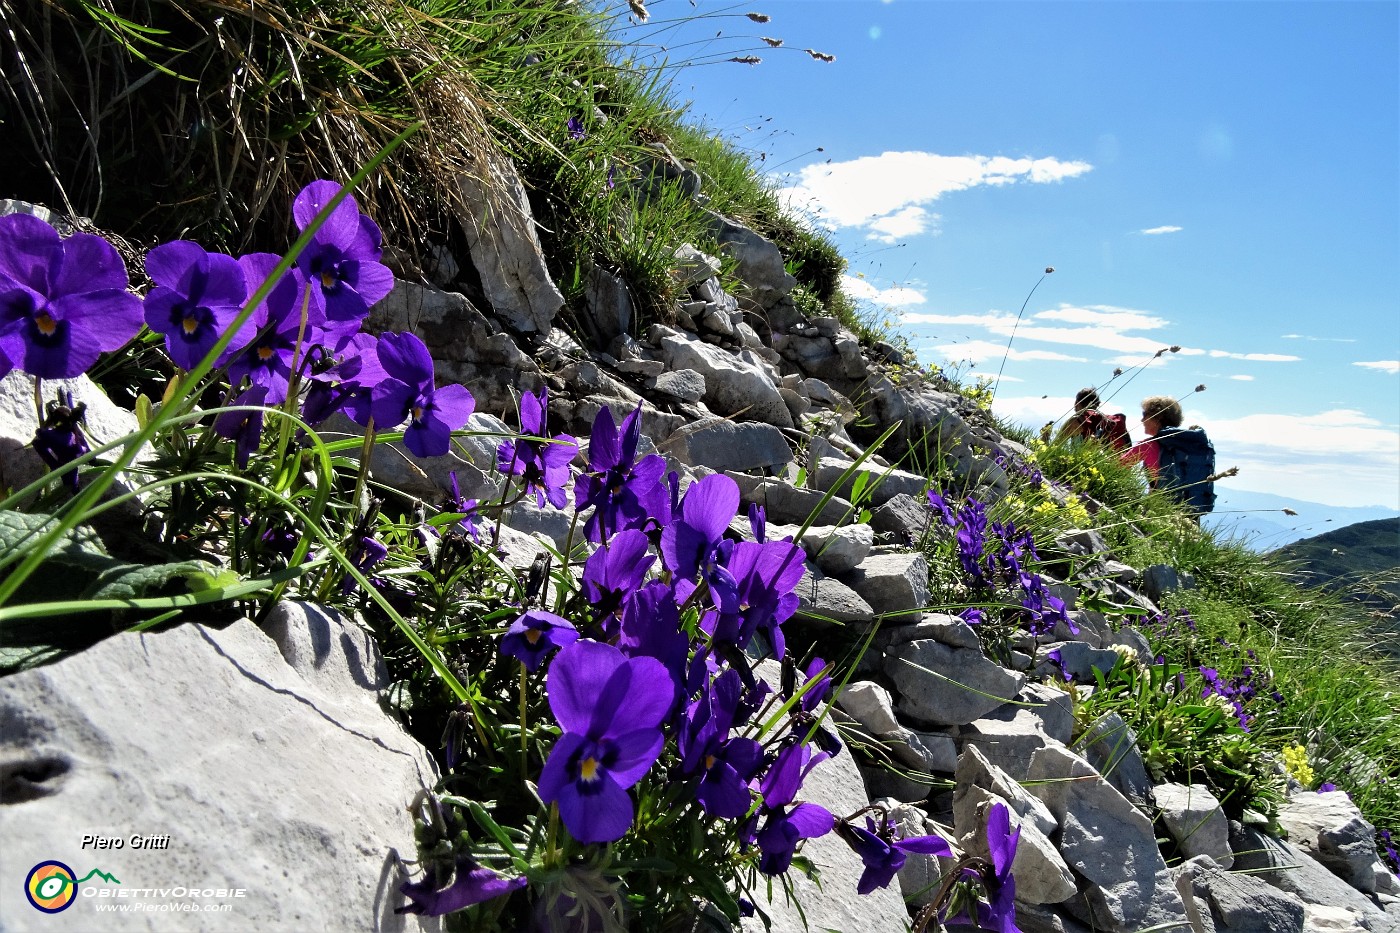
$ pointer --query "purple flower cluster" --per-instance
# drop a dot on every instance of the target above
(992, 555)
(64, 301)
(1237, 690)
(656, 663)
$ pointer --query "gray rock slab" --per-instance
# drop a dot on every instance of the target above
(1008, 735)
(1111, 746)
(975, 770)
(1288, 867)
(277, 779)
(1240, 902)
(950, 630)
(732, 386)
(725, 445)
(1053, 707)
(1331, 828)
(838, 549)
(825, 599)
(1195, 820)
(881, 484)
(869, 704)
(948, 686)
(500, 229)
(1080, 660)
(759, 262)
(893, 584)
(903, 515)
(1108, 841)
(684, 384)
(784, 502)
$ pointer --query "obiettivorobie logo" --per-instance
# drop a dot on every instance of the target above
(52, 886)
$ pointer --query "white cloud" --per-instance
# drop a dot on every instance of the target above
(979, 351)
(906, 222)
(1255, 357)
(1338, 457)
(895, 297)
(1319, 339)
(1243, 378)
(1154, 231)
(1385, 366)
(1100, 327)
(1032, 410)
(885, 194)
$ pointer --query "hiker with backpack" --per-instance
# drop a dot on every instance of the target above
(1089, 422)
(1179, 461)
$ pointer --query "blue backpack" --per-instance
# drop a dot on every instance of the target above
(1187, 460)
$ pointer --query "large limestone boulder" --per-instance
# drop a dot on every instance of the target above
(948, 686)
(500, 229)
(270, 768)
(733, 385)
(1108, 842)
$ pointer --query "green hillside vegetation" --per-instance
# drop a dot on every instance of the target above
(240, 113)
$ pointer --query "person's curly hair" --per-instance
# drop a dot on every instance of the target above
(1165, 409)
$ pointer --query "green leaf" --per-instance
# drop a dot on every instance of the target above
(133, 581)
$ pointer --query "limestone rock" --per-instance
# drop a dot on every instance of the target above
(1241, 902)
(880, 485)
(1290, 868)
(975, 771)
(948, 686)
(685, 384)
(500, 231)
(895, 583)
(1108, 842)
(277, 778)
(732, 385)
(1195, 820)
(789, 504)
(1333, 830)
(838, 549)
(902, 514)
(826, 599)
(760, 263)
(1110, 745)
(729, 445)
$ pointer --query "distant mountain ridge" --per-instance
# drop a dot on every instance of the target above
(1354, 554)
(1258, 520)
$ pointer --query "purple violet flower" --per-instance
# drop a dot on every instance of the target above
(623, 493)
(725, 765)
(472, 884)
(267, 359)
(612, 574)
(244, 427)
(63, 302)
(817, 693)
(883, 855)
(784, 828)
(691, 544)
(575, 128)
(342, 260)
(651, 627)
(471, 518)
(610, 708)
(409, 393)
(196, 297)
(765, 583)
(998, 882)
(344, 378)
(59, 440)
(535, 635)
(365, 554)
(543, 465)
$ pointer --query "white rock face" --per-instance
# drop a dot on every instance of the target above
(501, 234)
(283, 779)
(1194, 818)
(732, 386)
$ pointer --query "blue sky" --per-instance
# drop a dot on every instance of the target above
(1220, 176)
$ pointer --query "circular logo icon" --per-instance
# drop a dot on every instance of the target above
(50, 887)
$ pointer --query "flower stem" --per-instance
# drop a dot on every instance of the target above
(366, 451)
(524, 738)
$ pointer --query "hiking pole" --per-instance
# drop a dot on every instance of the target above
(996, 385)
